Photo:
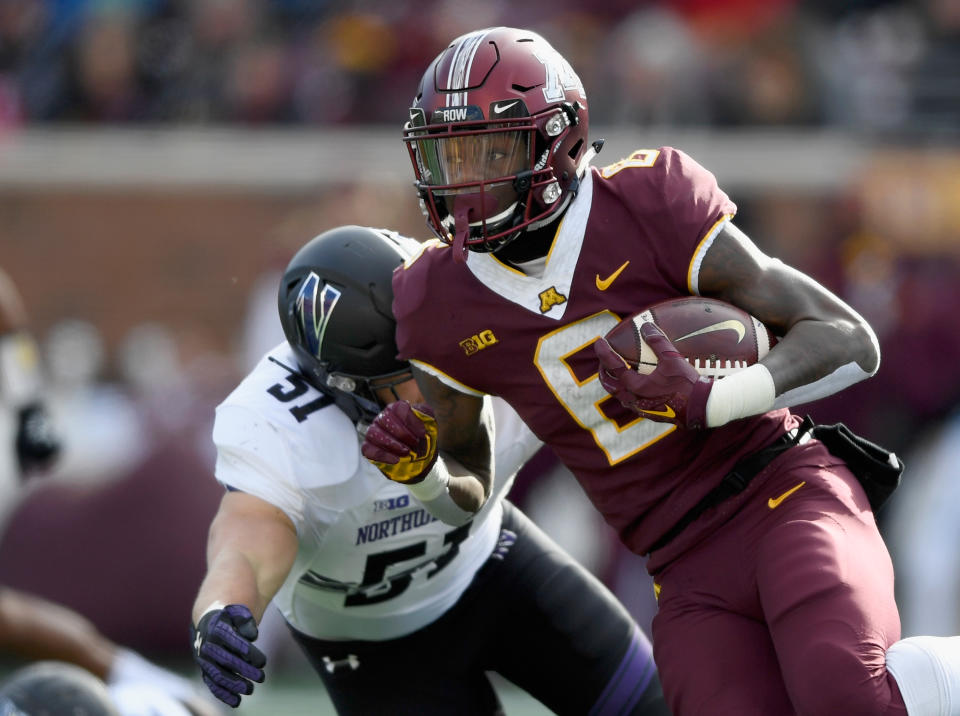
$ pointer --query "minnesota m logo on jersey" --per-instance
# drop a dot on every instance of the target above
(313, 311)
(550, 298)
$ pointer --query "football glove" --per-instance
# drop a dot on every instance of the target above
(37, 442)
(674, 392)
(223, 648)
(402, 441)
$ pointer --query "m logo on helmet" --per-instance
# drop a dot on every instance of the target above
(560, 75)
(314, 309)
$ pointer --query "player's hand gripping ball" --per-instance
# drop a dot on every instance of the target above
(662, 361)
(402, 441)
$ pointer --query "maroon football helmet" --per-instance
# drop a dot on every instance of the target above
(497, 136)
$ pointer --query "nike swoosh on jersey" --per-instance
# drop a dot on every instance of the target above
(774, 502)
(500, 108)
(604, 283)
(730, 325)
(668, 413)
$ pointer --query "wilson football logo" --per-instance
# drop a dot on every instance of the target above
(478, 342)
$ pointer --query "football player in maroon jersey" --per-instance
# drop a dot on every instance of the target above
(397, 612)
(775, 587)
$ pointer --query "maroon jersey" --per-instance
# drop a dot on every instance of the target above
(633, 236)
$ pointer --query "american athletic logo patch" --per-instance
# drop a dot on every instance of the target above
(314, 309)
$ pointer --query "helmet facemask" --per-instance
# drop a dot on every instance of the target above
(482, 183)
(358, 395)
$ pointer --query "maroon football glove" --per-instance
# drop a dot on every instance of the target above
(402, 441)
(673, 393)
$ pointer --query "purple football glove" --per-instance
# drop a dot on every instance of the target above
(402, 441)
(673, 393)
(223, 649)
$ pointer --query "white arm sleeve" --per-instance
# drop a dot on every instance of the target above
(751, 392)
(843, 377)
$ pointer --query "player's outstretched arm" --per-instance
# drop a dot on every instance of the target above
(250, 549)
(34, 628)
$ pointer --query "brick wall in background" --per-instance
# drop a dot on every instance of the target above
(185, 259)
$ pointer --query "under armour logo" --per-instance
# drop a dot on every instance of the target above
(331, 665)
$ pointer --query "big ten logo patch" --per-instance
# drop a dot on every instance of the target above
(391, 503)
(477, 342)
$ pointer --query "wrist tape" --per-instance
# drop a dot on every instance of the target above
(434, 494)
(747, 392)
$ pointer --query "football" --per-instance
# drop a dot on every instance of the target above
(717, 338)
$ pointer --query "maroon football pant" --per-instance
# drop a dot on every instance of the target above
(786, 609)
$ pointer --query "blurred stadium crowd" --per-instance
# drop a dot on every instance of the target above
(137, 369)
(871, 65)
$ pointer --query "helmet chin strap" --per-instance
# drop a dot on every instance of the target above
(461, 231)
(461, 221)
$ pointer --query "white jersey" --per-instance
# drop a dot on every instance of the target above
(372, 563)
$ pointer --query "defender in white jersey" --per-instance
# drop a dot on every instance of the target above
(398, 611)
(372, 563)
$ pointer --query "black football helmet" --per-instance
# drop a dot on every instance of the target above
(54, 687)
(335, 306)
(497, 136)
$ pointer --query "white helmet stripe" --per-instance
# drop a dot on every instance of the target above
(459, 73)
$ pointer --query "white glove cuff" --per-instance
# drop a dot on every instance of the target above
(211, 607)
(434, 484)
(747, 392)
